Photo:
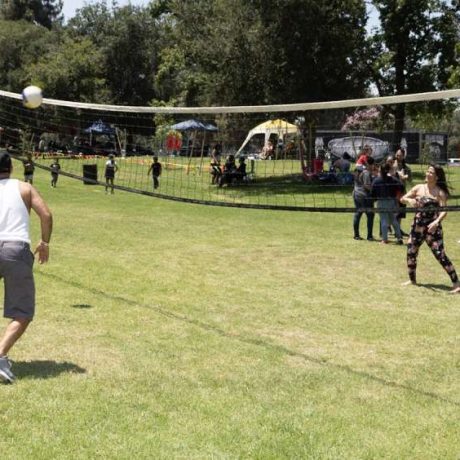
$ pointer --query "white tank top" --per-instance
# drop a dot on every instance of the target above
(14, 217)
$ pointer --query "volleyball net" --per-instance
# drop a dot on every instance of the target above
(292, 157)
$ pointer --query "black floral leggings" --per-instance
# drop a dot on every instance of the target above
(419, 233)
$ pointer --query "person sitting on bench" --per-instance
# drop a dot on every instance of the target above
(229, 172)
(240, 174)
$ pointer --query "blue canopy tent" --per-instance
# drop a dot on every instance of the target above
(195, 126)
(99, 128)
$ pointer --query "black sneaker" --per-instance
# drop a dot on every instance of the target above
(357, 238)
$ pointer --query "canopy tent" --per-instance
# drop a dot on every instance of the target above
(353, 145)
(99, 127)
(278, 127)
(195, 126)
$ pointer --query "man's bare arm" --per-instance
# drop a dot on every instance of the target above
(33, 200)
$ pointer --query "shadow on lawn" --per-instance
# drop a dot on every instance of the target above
(81, 305)
(259, 342)
(44, 369)
(435, 287)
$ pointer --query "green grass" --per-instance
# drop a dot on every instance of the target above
(274, 183)
(167, 330)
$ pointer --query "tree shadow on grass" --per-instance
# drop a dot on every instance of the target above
(42, 369)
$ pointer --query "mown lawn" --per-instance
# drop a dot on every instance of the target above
(169, 330)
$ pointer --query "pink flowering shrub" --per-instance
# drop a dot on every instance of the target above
(363, 120)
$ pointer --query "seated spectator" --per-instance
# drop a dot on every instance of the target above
(241, 170)
(267, 151)
(343, 164)
(229, 172)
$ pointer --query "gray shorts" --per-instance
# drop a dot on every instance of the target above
(16, 263)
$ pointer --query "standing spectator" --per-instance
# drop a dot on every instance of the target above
(29, 169)
(216, 170)
(404, 174)
(16, 259)
(363, 199)
(155, 168)
(386, 189)
(364, 156)
(55, 168)
(111, 168)
(41, 146)
(429, 198)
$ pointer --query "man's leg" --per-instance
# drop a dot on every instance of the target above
(13, 332)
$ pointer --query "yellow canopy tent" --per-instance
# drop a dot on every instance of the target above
(278, 127)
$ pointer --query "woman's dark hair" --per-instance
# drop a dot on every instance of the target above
(5, 162)
(385, 168)
(441, 181)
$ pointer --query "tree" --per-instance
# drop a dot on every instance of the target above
(43, 12)
(126, 39)
(71, 70)
(414, 49)
(22, 44)
(271, 51)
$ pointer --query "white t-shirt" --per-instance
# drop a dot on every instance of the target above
(14, 216)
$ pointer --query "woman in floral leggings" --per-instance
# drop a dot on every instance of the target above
(429, 198)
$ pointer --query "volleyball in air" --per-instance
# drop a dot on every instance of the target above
(32, 97)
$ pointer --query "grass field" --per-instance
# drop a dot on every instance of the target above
(167, 330)
(273, 183)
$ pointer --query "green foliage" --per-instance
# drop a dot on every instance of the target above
(44, 12)
(231, 52)
(243, 52)
(72, 70)
(417, 41)
(413, 51)
(22, 45)
(127, 39)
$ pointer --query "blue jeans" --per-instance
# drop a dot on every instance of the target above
(363, 202)
(387, 210)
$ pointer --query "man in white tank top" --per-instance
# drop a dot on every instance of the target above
(17, 198)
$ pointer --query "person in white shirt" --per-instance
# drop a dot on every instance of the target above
(17, 198)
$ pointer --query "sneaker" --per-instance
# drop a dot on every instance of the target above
(357, 238)
(370, 238)
(5, 371)
(400, 241)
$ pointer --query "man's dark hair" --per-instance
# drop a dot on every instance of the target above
(5, 162)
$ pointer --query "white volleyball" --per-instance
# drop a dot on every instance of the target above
(32, 97)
